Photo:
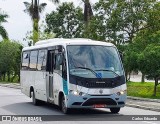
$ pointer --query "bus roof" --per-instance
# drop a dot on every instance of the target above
(65, 42)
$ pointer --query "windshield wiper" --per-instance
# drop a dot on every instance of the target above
(108, 70)
(96, 74)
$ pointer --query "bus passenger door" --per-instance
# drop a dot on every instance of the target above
(51, 63)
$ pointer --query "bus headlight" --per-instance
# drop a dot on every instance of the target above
(121, 92)
(77, 93)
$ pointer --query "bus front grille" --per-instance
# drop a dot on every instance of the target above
(93, 101)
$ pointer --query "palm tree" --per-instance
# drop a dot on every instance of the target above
(34, 9)
(88, 13)
(3, 31)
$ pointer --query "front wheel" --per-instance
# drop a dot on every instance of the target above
(65, 110)
(114, 110)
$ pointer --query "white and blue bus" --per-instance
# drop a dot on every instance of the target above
(74, 73)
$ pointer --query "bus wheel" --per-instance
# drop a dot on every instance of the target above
(65, 110)
(34, 100)
(114, 110)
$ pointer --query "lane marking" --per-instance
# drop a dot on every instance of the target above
(149, 122)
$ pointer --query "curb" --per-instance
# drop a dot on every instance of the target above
(11, 85)
(143, 107)
(143, 99)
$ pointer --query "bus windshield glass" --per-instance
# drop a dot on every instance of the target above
(94, 61)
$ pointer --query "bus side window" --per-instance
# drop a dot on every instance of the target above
(33, 60)
(41, 65)
(25, 60)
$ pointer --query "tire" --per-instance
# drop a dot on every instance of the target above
(64, 108)
(114, 110)
(35, 101)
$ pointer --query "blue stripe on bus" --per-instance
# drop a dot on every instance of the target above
(65, 87)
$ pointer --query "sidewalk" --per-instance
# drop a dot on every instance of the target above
(142, 103)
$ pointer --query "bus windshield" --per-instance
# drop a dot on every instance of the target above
(94, 61)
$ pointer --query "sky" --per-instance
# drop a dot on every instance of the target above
(19, 22)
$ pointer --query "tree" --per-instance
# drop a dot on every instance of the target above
(123, 18)
(88, 14)
(34, 9)
(3, 31)
(130, 60)
(151, 67)
(43, 35)
(149, 35)
(10, 58)
(66, 21)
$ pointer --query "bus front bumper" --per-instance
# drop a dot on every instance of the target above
(96, 101)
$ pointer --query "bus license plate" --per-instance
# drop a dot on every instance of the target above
(99, 106)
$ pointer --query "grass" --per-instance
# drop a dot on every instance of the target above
(144, 90)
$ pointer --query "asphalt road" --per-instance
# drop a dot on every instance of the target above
(13, 102)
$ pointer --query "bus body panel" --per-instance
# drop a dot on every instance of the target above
(36, 80)
(27, 80)
(40, 85)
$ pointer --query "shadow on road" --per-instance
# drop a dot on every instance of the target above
(27, 108)
(53, 113)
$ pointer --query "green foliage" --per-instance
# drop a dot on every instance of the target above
(149, 33)
(97, 28)
(122, 19)
(130, 60)
(66, 21)
(10, 58)
(149, 63)
(151, 57)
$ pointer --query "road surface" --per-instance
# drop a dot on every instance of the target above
(13, 102)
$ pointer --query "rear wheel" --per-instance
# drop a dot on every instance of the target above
(64, 108)
(34, 100)
(114, 110)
